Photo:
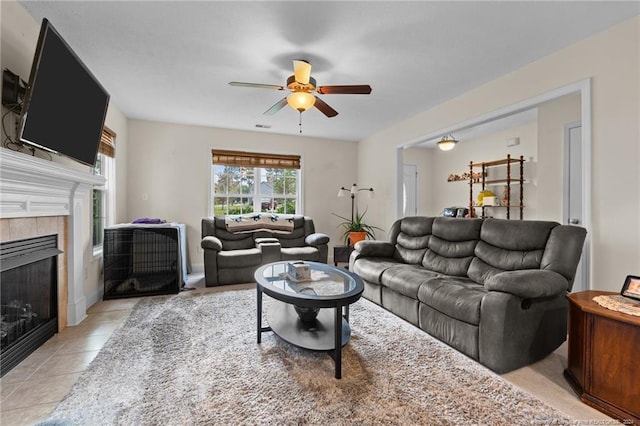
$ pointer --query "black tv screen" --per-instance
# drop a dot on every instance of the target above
(65, 105)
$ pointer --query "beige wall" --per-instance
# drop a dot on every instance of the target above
(19, 37)
(170, 166)
(612, 60)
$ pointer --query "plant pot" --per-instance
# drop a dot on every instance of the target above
(354, 237)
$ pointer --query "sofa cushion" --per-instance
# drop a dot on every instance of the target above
(230, 241)
(371, 268)
(446, 265)
(517, 235)
(451, 245)
(480, 272)
(300, 253)
(239, 258)
(456, 297)
(508, 260)
(406, 279)
(296, 237)
(491, 260)
(457, 229)
(412, 239)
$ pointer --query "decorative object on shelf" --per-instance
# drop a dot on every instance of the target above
(455, 212)
(486, 194)
(506, 196)
(476, 176)
(447, 143)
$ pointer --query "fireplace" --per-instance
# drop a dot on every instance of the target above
(28, 297)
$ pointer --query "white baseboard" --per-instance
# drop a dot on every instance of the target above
(199, 268)
(94, 297)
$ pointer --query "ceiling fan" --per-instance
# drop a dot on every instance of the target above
(301, 85)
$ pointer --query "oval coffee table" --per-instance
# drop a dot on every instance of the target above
(330, 291)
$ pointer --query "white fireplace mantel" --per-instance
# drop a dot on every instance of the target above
(33, 187)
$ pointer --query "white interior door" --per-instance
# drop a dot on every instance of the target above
(410, 190)
(572, 191)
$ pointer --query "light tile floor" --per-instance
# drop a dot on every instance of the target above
(32, 390)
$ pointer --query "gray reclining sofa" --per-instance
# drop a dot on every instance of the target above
(493, 289)
(232, 258)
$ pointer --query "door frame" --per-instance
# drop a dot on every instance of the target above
(565, 194)
(565, 169)
(582, 87)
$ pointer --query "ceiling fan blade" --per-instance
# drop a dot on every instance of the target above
(302, 70)
(325, 108)
(277, 107)
(256, 85)
(361, 89)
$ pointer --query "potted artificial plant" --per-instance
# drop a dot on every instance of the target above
(355, 229)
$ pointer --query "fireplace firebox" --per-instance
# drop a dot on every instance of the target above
(28, 297)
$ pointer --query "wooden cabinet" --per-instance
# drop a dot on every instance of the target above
(604, 357)
(510, 179)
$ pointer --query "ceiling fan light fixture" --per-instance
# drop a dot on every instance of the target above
(301, 101)
(302, 71)
(447, 143)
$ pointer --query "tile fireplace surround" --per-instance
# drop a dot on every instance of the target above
(40, 197)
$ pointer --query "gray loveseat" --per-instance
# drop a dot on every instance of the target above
(493, 289)
(232, 258)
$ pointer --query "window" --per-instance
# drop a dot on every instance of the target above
(245, 182)
(103, 206)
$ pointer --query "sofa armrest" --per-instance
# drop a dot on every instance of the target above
(316, 239)
(211, 243)
(528, 283)
(373, 248)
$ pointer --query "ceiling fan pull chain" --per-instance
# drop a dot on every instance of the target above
(300, 122)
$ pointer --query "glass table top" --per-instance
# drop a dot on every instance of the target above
(326, 281)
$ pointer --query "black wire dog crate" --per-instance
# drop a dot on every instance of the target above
(141, 261)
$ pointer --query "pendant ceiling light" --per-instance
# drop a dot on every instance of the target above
(447, 143)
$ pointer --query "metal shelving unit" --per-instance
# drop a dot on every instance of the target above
(508, 181)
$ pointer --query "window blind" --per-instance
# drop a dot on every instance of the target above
(254, 159)
(107, 142)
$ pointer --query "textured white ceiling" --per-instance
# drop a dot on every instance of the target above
(171, 60)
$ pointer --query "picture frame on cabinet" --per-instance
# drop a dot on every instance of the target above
(631, 287)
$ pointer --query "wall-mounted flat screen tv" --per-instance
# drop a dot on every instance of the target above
(65, 105)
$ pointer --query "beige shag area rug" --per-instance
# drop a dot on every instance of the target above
(192, 359)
